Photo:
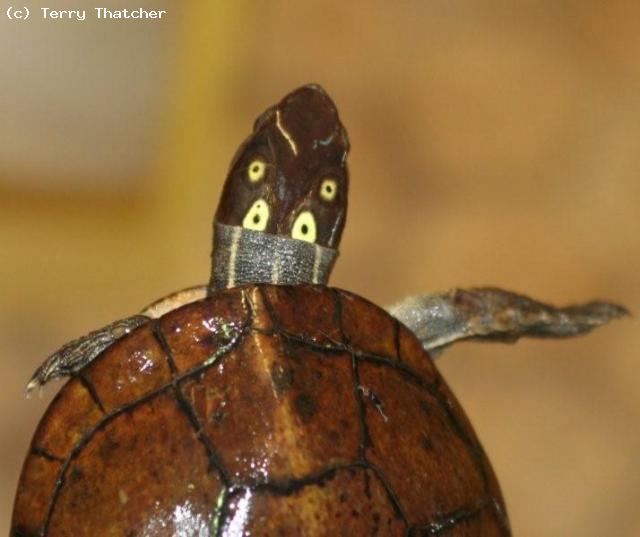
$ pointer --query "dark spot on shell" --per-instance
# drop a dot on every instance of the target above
(75, 475)
(282, 377)
(218, 414)
(305, 406)
(210, 339)
(427, 444)
(107, 447)
(292, 351)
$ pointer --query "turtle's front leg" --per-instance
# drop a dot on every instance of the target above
(491, 314)
(73, 356)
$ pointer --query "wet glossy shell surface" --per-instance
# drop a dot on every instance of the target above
(263, 410)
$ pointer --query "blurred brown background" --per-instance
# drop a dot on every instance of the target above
(493, 143)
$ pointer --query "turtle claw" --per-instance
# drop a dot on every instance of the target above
(34, 383)
(73, 356)
(595, 314)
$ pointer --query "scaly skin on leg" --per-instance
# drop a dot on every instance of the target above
(491, 314)
(73, 356)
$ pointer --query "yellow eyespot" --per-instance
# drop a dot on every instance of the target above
(304, 228)
(257, 216)
(328, 189)
(256, 170)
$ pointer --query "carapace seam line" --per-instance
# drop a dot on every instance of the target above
(188, 410)
(41, 452)
(88, 385)
(450, 520)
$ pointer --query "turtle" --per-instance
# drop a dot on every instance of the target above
(266, 402)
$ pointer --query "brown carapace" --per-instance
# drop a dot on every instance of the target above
(263, 410)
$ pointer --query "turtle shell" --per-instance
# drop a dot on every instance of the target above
(262, 410)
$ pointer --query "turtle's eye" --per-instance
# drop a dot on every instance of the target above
(256, 170)
(257, 216)
(328, 189)
(304, 228)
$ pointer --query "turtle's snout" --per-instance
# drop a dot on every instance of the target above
(311, 118)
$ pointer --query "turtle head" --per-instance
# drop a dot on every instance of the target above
(284, 202)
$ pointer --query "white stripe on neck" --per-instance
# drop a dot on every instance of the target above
(275, 275)
(235, 239)
(316, 264)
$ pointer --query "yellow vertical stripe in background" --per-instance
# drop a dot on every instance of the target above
(191, 166)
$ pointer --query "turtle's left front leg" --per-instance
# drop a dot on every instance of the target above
(491, 314)
(73, 356)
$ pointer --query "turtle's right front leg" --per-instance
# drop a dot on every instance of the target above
(73, 356)
(491, 314)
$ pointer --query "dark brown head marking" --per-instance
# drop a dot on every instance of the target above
(290, 177)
